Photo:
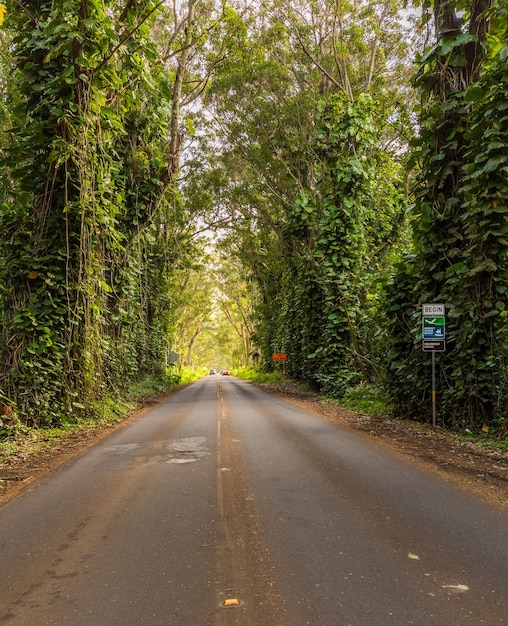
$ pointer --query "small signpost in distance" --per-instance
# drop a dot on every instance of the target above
(280, 357)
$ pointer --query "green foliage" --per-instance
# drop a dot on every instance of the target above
(191, 374)
(85, 255)
(336, 240)
(299, 166)
(149, 386)
(313, 197)
(369, 399)
(256, 376)
(461, 241)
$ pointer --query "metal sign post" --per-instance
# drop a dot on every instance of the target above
(434, 408)
(433, 340)
(281, 357)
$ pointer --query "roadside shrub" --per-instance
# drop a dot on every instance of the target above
(365, 398)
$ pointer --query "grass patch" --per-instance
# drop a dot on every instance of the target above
(367, 399)
(152, 386)
(249, 373)
(485, 440)
(190, 374)
(7, 447)
(28, 442)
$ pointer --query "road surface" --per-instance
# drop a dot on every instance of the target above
(224, 505)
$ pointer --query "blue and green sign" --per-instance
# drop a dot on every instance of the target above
(434, 327)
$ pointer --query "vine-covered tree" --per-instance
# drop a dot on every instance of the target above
(339, 236)
(90, 220)
(294, 119)
(312, 190)
(461, 231)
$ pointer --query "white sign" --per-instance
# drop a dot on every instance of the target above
(433, 309)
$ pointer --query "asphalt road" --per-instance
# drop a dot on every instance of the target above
(224, 505)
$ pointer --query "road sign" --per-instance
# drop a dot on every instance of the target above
(434, 327)
(173, 357)
(279, 357)
(433, 321)
(433, 309)
(434, 345)
(433, 334)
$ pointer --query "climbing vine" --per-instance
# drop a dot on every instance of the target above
(336, 236)
(73, 226)
(460, 223)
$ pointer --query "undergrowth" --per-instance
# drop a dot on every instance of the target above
(485, 440)
(250, 373)
(369, 399)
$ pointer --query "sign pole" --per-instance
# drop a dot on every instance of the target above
(434, 389)
(278, 357)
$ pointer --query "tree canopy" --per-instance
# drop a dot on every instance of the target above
(226, 179)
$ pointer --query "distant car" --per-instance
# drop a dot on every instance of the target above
(225, 373)
(212, 372)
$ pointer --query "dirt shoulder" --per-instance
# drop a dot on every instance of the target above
(469, 465)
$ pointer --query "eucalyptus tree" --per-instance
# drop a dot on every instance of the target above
(461, 241)
(192, 299)
(91, 221)
(275, 101)
(235, 298)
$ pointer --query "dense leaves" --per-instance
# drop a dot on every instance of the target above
(280, 129)
(86, 255)
(314, 185)
(460, 227)
(337, 237)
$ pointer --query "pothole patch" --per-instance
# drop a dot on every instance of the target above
(187, 450)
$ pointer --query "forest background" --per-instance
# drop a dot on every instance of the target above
(228, 180)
